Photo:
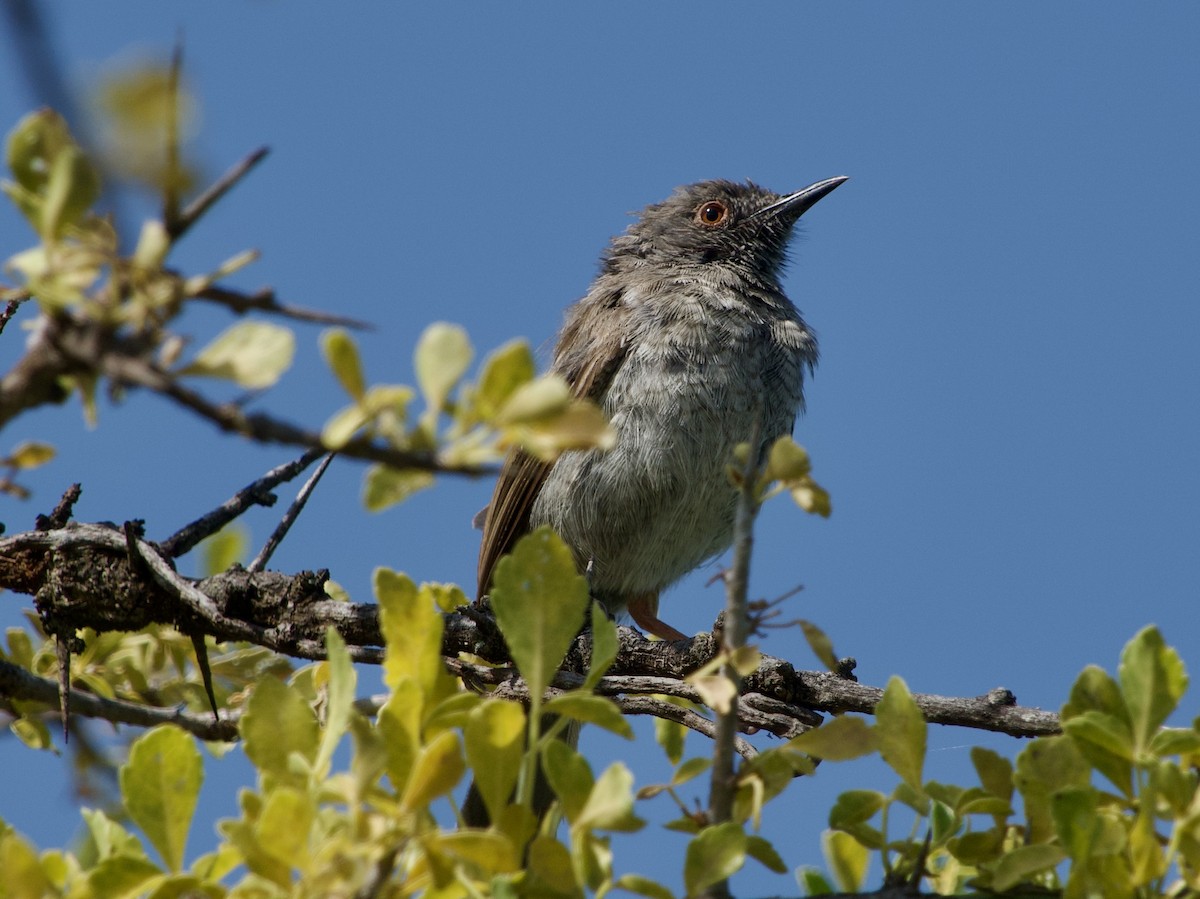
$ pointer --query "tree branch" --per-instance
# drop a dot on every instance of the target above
(95, 584)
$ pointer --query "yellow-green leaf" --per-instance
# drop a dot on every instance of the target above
(341, 355)
(604, 646)
(1044, 767)
(847, 859)
(23, 876)
(399, 727)
(590, 709)
(609, 806)
(547, 396)
(342, 426)
(820, 644)
(442, 356)
(855, 807)
(901, 730)
(839, 739)
(569, 776)
(995, 772)
(495, 742)
(540, 601)
(504, 370)
(224, 548)
(438, 768)
(1152, 681)
(252, 354)
(787, 461)
(412, 631)
(282, 830)
(385, 486)
(715, 854)
(30, 454)
(1021, 863)
(1106, 742)
(643, 886)
(339, 699)
(765, 854)
(159, 785)
(277, 723)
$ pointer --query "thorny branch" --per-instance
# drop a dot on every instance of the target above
(83, 576)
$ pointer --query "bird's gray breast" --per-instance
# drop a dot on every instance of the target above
(699, 370)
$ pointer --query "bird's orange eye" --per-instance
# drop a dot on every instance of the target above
(712, 213)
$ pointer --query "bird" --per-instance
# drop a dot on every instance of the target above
(688, 344)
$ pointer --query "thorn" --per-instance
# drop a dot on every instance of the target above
(205, 672)
(63, 649)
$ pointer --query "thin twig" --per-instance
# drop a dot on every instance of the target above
(264, 301)
(735, 633)
(257, 493)
(289, 518)
(194, 210)
(10, 309)
(18, 683)
(62, 511)
(172, 182)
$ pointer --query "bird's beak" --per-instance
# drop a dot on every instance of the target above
(793, 206)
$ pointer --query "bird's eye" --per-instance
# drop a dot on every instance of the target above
(712, 214)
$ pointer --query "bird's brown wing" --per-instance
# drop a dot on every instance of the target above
(590, 349)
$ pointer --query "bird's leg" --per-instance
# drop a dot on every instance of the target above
(643, 609)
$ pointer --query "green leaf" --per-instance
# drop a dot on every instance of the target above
(341, 355)
(342, 426)
(690, 769)
(495, 742)
(604, 646)
(1095, 690)
(1175, 741)
(846, 858)
(643, 886)
(438, 768)
(123, 876)
(30, 454)
(1106, 742)
(813, 882)
(901, 730)
(251, 354)
(820, 644)
(590, 709)
(504, 370)
(159, 785)
(1045, 766)
(540, 601)
(442, 356)
(412, 631)
(23, 875)
(278, 722)
(72, 189)
(1152, 681)
(283, 827)
(224, 548)
(385, 486)
(855, 807)
(569, 776)
(764, 853)
(609, 806)
(995, 772)
(1019, 865)
(399, 729)
(1075, 819)
(339, 699)
(715, 854)
(839, 739)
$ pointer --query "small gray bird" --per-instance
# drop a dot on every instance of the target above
(684, 340)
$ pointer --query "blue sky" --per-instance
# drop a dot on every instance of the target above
(1006, 293)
